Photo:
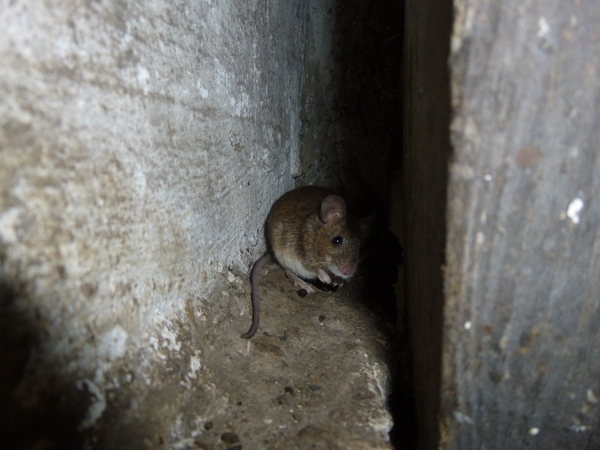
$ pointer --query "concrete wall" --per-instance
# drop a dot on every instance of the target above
(142, 145)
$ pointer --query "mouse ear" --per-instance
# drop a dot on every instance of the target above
(333, 208)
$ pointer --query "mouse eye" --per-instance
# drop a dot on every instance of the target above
(337, 240)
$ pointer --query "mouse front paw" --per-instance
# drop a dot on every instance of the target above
(324, 276)
(337, 281)
(299, 282)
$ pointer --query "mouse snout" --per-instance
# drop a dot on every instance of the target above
(346, 268)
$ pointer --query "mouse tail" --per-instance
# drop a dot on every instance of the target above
(254, 273)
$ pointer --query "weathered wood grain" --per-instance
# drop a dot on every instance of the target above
(521, 344)
(502, 194)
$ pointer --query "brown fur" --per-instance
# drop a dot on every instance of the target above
(295, 231)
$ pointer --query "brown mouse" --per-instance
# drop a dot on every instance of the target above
(311, 236)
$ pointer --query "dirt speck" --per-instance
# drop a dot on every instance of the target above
(528, 156)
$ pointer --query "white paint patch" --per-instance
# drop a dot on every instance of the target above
(480, 237)
(579, 428)
(467, 325)
(573, 21)
(381, 424)
(8, 225)
(139, 179)
(574, 209)
(153, 343)
(143, 78)
(573, 113)
(203, 92)
(574, 152)
(463, 171)
(463, 418)
(487, 177)
(380, 376)
(195, 365)
(471, 130)
(543, 27)
(295, 162)
(533, 431)
(170, 340)
(113, 344)
(503, 342)
(96, 408)
(591, 397)
(504, 339)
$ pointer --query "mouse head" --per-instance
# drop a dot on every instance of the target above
(338, 238)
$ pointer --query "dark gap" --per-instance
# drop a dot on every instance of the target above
(426, 154)
(369, 40)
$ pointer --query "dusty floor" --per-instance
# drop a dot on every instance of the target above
(316, 375)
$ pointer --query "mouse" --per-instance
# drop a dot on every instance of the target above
(310, 234)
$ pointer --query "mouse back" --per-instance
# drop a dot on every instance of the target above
(309, 229)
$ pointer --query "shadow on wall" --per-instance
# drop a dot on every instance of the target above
(365, 72)
(37, 417)
(380, 269)
(349, 124)
(366, 113)
(362, 109)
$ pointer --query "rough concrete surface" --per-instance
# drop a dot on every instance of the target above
(142, 145)
(316, 375)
